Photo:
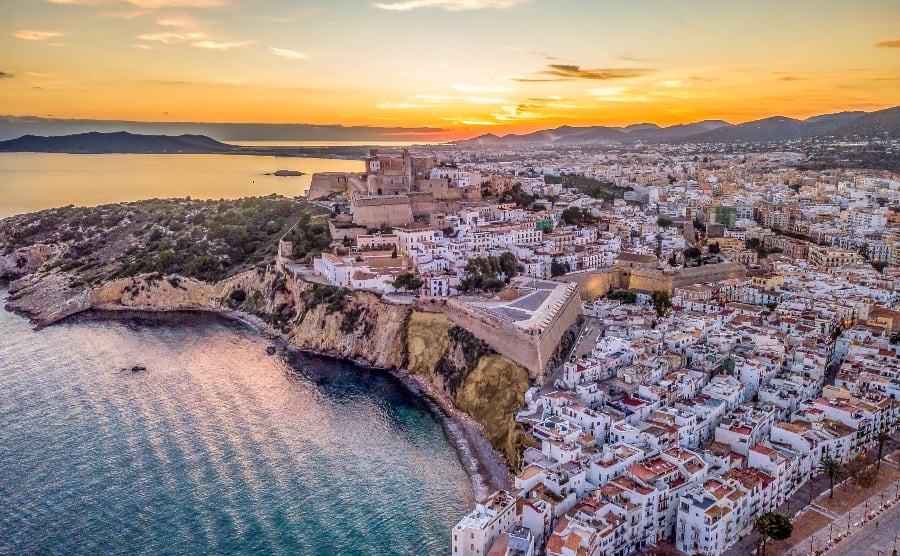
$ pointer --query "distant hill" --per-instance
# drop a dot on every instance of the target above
(776, 128)
(873, 123)
(118, 142)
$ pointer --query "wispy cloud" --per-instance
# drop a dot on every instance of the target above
(888, 43)
(171, 37)
(221, 45)
(32, 35)
(287, 53)
(569, 72)
(448, 5)
(194, 38)
(619, 94)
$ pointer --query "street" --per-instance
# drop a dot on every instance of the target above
(881, 540)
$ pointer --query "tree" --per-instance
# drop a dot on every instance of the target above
(572, 216)
(663, 222)
(622, 296)
(558, 268)
(692, 253)
(509, 265)
(407, 281)
(881, 437)
(772, 525)
(833, 469)
(661, 302)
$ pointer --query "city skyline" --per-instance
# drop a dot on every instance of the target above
(467, 66)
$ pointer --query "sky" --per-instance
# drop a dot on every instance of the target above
(466, 66)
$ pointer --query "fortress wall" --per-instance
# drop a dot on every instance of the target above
(531, 351)
(597, 283)
(504, 337)
(326, 183)
(709, 273)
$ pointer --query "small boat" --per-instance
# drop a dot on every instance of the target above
(271, 350)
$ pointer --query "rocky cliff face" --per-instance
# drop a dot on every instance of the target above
(488, 387)
(323, 319)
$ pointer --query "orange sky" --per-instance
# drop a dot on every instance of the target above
(470, 66)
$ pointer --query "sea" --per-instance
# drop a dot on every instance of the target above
(216, 447)
(35, 181)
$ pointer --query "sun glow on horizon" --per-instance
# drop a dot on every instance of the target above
(462, 66)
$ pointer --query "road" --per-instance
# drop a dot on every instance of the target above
(809, 491)
(869, 539)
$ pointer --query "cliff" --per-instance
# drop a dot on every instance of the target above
(458, 371)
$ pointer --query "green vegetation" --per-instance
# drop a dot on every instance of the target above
(558, 268)
(206, 240)
(772, 525)
(835, 471)
(517, 196)
(661, 302)
(589, 186)
(577, 216)
(407, 281)
(482, 273)
(622, 296)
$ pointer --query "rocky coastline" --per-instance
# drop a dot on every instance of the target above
(44, 300)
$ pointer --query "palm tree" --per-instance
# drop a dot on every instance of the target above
(881, 437)
(833, 469)
(772, 525)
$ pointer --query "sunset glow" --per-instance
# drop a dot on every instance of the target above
(467, 66)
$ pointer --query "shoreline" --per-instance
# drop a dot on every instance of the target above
(486, 468)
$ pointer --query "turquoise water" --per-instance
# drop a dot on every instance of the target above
(216, 448)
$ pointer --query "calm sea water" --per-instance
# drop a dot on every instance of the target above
(216, 448)
(36, 181)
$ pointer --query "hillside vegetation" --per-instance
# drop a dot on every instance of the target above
(207, 240)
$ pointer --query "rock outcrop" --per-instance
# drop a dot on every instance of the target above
(459, 369)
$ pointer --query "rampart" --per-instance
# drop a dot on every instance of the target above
(597, 283)
(530, 349)
(326, 183)
(373, 211)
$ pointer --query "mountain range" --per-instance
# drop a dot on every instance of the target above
(776, 128)
(118, 142)
(16, 126)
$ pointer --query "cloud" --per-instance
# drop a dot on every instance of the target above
(171, 37)
(4, 75)
(286, 53)
(31, 35)
(221, 45)
(888, 43)
(448, 5)
(619, 94)
(568, 72)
